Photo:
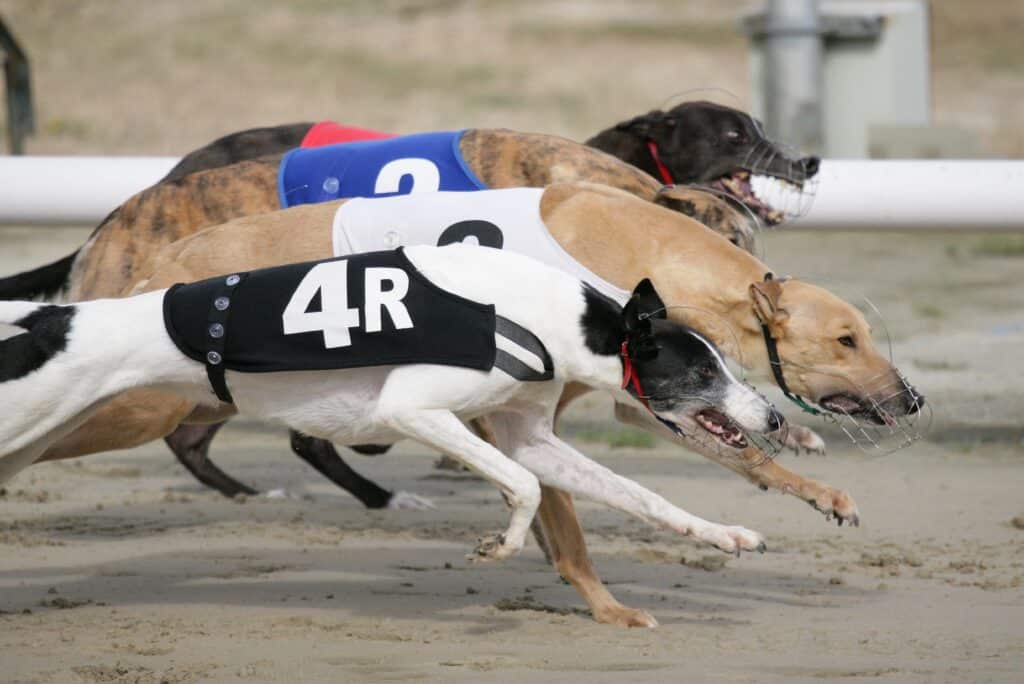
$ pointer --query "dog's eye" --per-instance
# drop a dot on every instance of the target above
(708, 371)
(848, 341)
(735, 136)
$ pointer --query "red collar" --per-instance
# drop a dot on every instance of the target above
(666, 175)
(629, 376)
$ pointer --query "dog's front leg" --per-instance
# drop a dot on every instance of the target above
(799, 438)
(442, 430)
(557, 464)
(757, 467)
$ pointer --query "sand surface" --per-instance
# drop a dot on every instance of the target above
(119, 569)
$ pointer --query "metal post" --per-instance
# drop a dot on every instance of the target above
(20, 117)
(793, 73)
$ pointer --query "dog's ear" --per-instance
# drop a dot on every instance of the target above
(644, 124)
(765, 296)
(648, 300)
(644, 305)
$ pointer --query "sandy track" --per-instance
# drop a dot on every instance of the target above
(155, 580)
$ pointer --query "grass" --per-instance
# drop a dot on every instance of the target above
(929, 311)
(939, 365)
(714, 35)
(1000, 246)
(616, 437)
(66, 127)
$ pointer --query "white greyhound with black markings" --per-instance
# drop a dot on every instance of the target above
(448, 341)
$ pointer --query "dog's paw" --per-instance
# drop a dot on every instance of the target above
(407, 501)
(493, 547)
(835, 503)
(624, 616)
(801, 439)
(733, 539)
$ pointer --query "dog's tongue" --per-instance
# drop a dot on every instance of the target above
(842, 403)
(738, 185)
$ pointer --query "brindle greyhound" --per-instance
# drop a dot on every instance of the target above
(686, 262)
(180, 204)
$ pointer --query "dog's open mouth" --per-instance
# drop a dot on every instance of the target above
(851, 406)
(738, 185)
(724, 430)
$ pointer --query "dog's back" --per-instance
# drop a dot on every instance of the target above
(546, 301)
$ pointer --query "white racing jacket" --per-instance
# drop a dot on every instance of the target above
(505, 219)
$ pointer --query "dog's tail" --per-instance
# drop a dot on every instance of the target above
(19, 314)
(46, 329)
(43, 282)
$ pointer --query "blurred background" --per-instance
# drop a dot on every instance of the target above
(123, 77)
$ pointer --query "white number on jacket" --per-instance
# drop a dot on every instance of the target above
(385, 288)
(426, 177)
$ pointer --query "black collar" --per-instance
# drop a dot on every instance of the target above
(776, 363)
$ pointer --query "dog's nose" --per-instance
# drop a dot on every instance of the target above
(810, 166)
(775, 420)
(915, 400)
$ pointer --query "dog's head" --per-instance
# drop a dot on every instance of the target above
(683, 377)
(707, 143)
(827, 353)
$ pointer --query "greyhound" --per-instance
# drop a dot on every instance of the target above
(393, 344)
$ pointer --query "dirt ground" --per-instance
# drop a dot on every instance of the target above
(119, 568)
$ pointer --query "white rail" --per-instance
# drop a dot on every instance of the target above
(913, 194)
(863, 195)
(72, 190)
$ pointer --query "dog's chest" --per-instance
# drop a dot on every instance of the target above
(366, 310)
(426, 162)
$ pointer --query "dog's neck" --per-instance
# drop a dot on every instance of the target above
(631, 148)
(601, 364)
(702, 277)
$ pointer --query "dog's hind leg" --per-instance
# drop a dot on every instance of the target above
(443, 431)
(569, 556)
(322, 455)
(191, 444)
(566, 549)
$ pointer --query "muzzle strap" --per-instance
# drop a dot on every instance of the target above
(666, 175)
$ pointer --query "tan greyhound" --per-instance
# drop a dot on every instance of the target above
(687, 263)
